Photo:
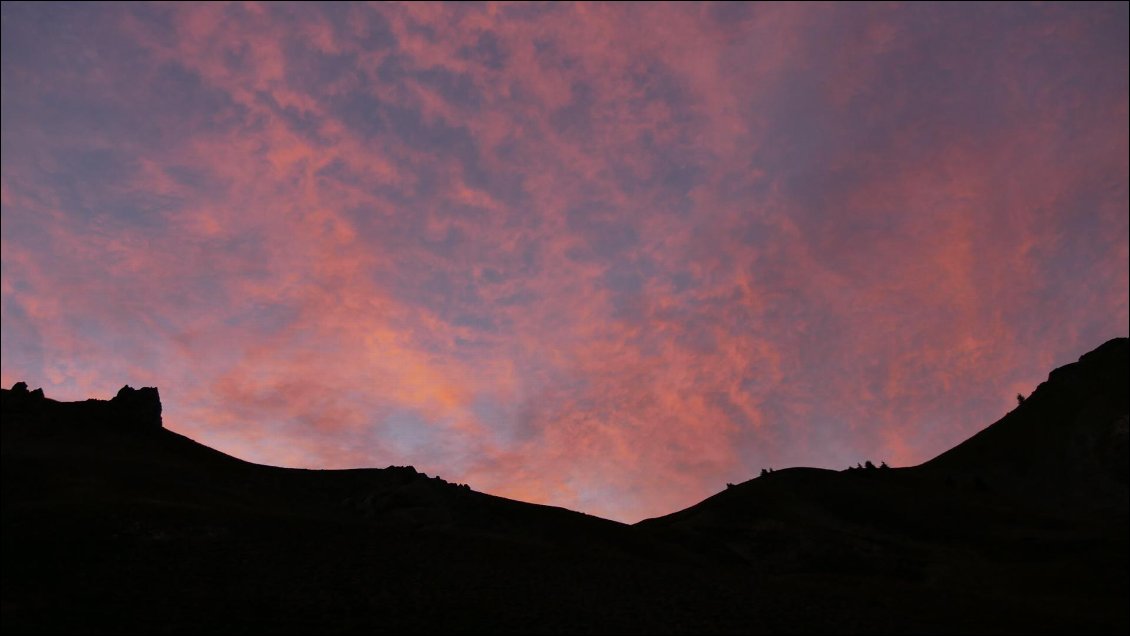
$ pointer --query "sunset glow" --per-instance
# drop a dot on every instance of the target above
(602, 256)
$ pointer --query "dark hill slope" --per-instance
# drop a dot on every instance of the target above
(1064, 446)
(112, 523)
(94, 451)
(1031, 512)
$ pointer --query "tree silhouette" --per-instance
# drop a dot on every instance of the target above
(868, 465)
(1019, 399)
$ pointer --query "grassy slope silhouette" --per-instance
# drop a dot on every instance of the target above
(114, 524)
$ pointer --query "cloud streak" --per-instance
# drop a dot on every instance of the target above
(601, 256)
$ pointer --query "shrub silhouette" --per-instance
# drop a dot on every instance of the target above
(868, 465)
(1019, 399)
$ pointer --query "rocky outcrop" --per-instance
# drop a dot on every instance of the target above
(1065, 445)
(139, 407)
(130, 409)
(20, 397)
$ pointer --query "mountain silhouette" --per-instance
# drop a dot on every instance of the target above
(1065, 445)
(112, 523)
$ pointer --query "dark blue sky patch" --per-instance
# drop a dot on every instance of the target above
(313, 71)
(488, 50)
(440, 139)
(304, 123)
(458, 89)
(194, 177)
(576, 119)
(96, 184)
(729, 14)
(360, 111)
(184, 105)
(530, 10)
(605, 233)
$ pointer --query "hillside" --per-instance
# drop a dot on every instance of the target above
(112, 523)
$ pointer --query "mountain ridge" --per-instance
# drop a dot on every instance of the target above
(1021, 527)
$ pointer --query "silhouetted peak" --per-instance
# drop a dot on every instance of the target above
(1064, 445)
(1104, 368)
(131, 408)
(139, 406)
(20, 396)
(1115, 350)
(403, 474)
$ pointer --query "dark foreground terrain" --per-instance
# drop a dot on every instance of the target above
(112, 523)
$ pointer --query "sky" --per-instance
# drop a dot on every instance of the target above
(602, 256)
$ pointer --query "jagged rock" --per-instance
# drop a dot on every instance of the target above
(138, 407)
(20, 398)
(402, 474)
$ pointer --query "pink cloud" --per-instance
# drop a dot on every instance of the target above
(587, 255)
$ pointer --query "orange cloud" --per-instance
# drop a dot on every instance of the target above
(584, 255)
